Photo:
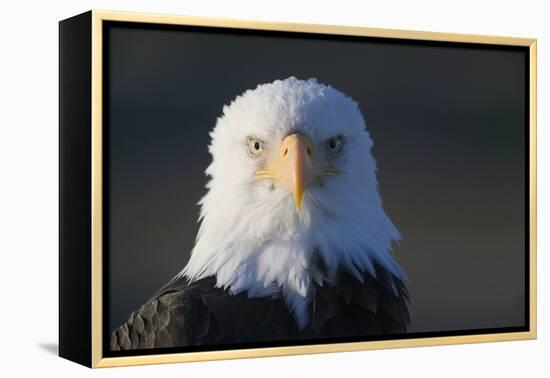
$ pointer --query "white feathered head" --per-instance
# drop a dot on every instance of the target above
(292, 181)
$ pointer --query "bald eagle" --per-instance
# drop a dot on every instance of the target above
(294, 243)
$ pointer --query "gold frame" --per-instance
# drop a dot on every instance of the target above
(97, 354)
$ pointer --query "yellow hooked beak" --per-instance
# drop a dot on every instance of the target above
(293, 168)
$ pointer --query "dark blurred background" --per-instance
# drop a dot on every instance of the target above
(448, 126)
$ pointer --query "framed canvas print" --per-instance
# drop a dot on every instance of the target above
(237, 188)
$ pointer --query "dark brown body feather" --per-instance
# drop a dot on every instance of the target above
(183, 314)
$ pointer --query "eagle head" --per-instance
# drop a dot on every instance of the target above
(292, 188)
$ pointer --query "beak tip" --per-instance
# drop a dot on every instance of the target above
(298, 203)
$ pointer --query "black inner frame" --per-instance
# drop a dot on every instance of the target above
(303, 35)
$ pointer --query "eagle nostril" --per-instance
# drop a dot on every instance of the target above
(285, 152)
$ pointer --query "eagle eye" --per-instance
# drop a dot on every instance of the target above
(255, 146)
(335, 144)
